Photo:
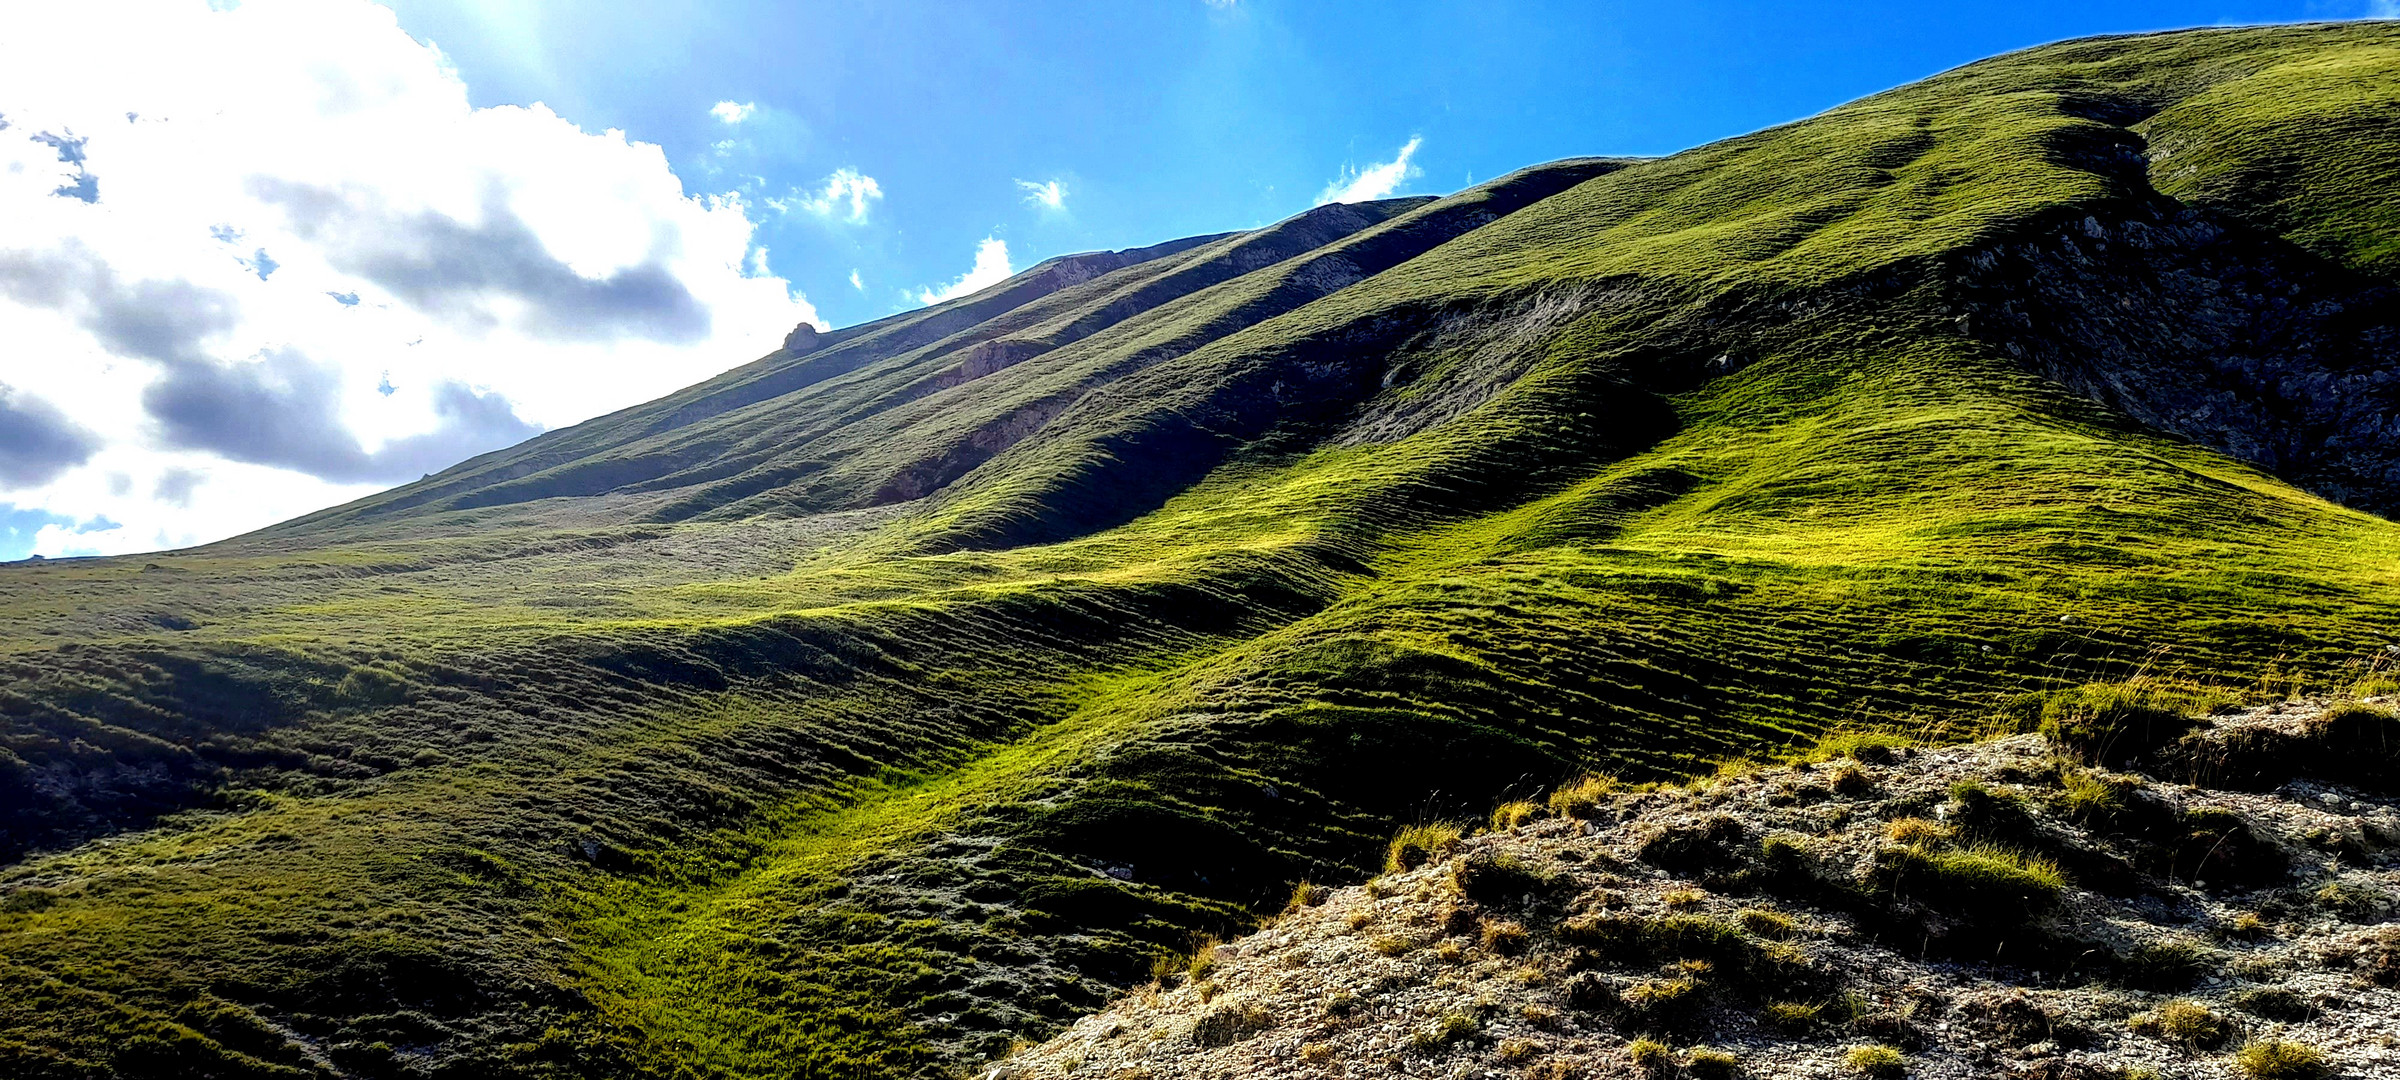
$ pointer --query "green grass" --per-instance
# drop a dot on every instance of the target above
(687, 743)
(2298, 147)
(1418, 845)
(2275, 1059)
(2113, 723)
(1876, 1061)
(1993, 887)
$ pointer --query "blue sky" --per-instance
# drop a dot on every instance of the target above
(259, 257)
(1172, 118)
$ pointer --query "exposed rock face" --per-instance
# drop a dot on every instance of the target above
(2193, 323)
(1771, 924)
(803, 338)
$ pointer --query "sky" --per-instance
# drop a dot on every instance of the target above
(258, 257)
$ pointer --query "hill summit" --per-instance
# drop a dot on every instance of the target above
(910, 691)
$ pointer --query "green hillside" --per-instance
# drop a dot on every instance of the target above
(873, 705)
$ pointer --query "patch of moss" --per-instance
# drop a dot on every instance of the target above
(2375, 955)
(1698, 848)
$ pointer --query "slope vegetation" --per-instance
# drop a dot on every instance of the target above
(913, 689)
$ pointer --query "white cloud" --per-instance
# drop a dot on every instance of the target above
(846, 196)
(857, 282)
(1051, 195)
(1374, 181)
(732, 112)
(991, 267)
(259, 260)
(2383, 9)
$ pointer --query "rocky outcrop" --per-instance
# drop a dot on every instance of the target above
(2193, 323)
(1992, 910)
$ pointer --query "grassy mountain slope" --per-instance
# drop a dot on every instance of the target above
(866, 708)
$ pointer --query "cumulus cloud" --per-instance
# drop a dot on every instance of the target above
(1375, 181)
(732, 112)
(163, 320)
(38, 442)
(991, 268)
(846, 196)
(274, 246)
(446, 267)
(1051, 195)
(217, 408)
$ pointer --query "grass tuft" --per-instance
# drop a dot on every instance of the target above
(2164, 966)
(1992, 886)
(1515, 815)
(2184, 1023)
(1876, 1061)
(1584, 796)
(1917, 832)
(2114, 723)
(1650, 1057)
(1772, 925)
(1420, 844)
(1709, 1064)
(2275, 1059)
(1502, 878)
